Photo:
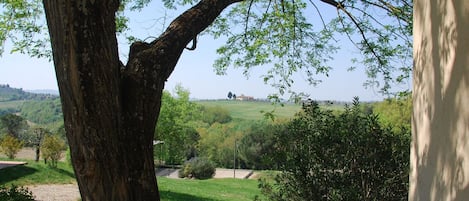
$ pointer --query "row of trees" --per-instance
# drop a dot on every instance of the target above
(8, 93)
(231, 95)
(190, 130)
(359, 153)
(16, 133)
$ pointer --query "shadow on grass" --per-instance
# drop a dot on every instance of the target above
(64, 172)
(175, 196)
(13, 173)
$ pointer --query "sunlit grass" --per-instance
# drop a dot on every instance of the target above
(170, 189)
(208, 190)
(37, 173)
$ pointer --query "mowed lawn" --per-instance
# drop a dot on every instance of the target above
(171, 189)
(253, 110)
(208, 190)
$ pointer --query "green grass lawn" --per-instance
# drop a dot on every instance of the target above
(252, 110)
(207, 190)
(36, 173)
(170, 189)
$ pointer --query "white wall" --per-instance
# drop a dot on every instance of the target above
(440, 126)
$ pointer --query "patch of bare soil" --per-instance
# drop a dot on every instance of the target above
(55, 192)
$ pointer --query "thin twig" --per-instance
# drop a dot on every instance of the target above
(362, 32)
(320, 15)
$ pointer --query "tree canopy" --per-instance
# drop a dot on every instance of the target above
(13, 124)
(111, 106)
(286, 36)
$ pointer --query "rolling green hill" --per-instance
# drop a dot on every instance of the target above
(37, 108)
(252, 110)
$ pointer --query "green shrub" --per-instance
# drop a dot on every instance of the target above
(10, 146)
(52, 148)
(199, 168)
(15, 193)
(348, 156)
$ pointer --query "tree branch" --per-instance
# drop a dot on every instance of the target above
(166, 49)
(194, 44)
(331, 2)
(362, 33)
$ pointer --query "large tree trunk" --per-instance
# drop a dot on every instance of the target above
(110, 110)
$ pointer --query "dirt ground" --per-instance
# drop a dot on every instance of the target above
(55, 192)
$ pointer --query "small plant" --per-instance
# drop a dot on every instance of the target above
(199, 168)
(15, 193)
(10, 146)
(52, 148)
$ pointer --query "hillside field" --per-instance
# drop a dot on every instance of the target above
(252, 110)
(16, 104)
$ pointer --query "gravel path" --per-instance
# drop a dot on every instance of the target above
(55, 192)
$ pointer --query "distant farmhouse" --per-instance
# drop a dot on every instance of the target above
(244, 98)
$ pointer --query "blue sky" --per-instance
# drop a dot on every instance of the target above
(194, 70)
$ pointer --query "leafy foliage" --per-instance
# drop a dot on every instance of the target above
(214, 114)
(52, 148)
(21, 24)
(35, 137)
(345, 157)
(15, 193)
(42, 112)
(175, 127)
(283, 34)
(217, 143)
(256, 146)
(396, 112)
(13, 124)
(250, 142)
(197, 167)
(10, 146)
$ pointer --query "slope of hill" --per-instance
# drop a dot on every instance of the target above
(37, 108)
(252, 110)
(8, 93)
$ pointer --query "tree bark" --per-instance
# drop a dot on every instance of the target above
(110, 110)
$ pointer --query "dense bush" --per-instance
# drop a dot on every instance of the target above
(339, 157)
(255, 147)
(52, 148)
(175, 127)
(197, 167)
(10, 146)
(14, 193)
(218, 114)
